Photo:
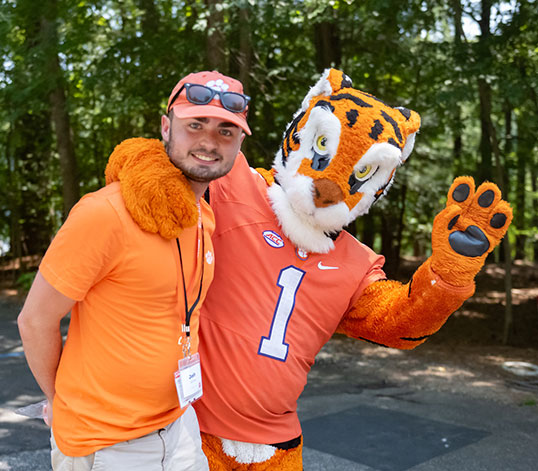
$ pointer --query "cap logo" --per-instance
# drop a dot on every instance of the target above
(218, 85)
(273, 239)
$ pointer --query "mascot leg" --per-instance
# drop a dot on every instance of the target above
(219, 460)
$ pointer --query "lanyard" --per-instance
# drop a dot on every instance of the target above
(188, 311)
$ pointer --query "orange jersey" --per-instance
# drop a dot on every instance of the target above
(115, 380)
(270, 309)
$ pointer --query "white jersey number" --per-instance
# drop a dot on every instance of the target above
(274, 346)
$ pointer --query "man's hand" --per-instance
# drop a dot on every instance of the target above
(47, 413)
(467, 230)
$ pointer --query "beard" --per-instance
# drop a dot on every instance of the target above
(194, 172)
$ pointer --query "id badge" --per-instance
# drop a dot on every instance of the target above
(188, 379)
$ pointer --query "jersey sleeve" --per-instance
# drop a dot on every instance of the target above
(84, 249)
(375, 273)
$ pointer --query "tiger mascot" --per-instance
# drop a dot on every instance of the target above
(288, 276)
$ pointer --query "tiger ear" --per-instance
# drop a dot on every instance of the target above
(338, 80)
(331, 81)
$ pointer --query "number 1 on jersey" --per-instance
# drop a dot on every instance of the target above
(274, 346)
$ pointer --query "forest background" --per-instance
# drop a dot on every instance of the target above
(78, 77)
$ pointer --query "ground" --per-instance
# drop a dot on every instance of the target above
(466, 356)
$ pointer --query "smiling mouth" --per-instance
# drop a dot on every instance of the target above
(205, 158)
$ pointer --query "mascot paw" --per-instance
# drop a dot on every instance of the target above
(468, 229)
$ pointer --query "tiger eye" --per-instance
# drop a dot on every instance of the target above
(363, 171)
(322, 143)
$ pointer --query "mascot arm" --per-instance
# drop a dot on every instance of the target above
(464, 233)
(403, 316)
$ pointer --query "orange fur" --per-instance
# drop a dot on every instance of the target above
(157, 195)
(282, 460)
(404, 316)
(452, 267)
(268, 175)
(356, 140)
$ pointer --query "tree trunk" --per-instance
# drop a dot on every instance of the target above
(524, 148)
(28, 145)
(489, 144)
(534, 186)
(216, 57)
(150, 26)
(328, 46)
(15, 233)
(245, 50)
(60, 115)
(484, 91)
(389, 247)
(486, 161)
(459, 56)
(508, 316)
(399, 234)
(368, 230)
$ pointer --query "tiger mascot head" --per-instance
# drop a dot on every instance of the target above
(338, 156)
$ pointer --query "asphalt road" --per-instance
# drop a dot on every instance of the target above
(348, 424)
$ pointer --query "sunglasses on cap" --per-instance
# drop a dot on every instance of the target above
(202, 95)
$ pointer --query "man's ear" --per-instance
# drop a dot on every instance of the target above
(165, 128)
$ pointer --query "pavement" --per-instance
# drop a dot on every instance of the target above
(348, 425)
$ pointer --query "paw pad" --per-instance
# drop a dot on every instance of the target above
(486, 198)
(472, 242)
(481, 220)
(498, 220)
(461, 193)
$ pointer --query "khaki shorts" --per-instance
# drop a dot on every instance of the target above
(175, 447)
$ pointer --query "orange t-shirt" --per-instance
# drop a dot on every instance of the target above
(115, 380)
(269, 311)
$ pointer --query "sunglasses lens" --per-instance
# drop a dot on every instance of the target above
(199, 95)
(233, 102)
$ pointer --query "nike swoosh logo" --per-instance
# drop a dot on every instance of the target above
(325, 267)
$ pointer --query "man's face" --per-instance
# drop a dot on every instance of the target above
(202, 148)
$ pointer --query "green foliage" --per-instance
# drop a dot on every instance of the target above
(24, 281)
(529, 403)
(120, 59)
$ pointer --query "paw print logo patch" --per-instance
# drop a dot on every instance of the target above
(218, 85)
(209, 257)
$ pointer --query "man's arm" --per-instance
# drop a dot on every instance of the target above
(39, 327)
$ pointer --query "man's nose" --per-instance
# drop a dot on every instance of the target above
(209, 138)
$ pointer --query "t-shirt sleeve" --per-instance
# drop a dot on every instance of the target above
(85, 248)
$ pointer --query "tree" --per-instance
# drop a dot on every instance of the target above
(60, 113)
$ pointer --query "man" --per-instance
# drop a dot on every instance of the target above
(133, 264)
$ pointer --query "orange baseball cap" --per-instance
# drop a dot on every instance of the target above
(183, 108)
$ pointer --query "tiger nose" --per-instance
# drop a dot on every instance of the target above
(326, 193)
